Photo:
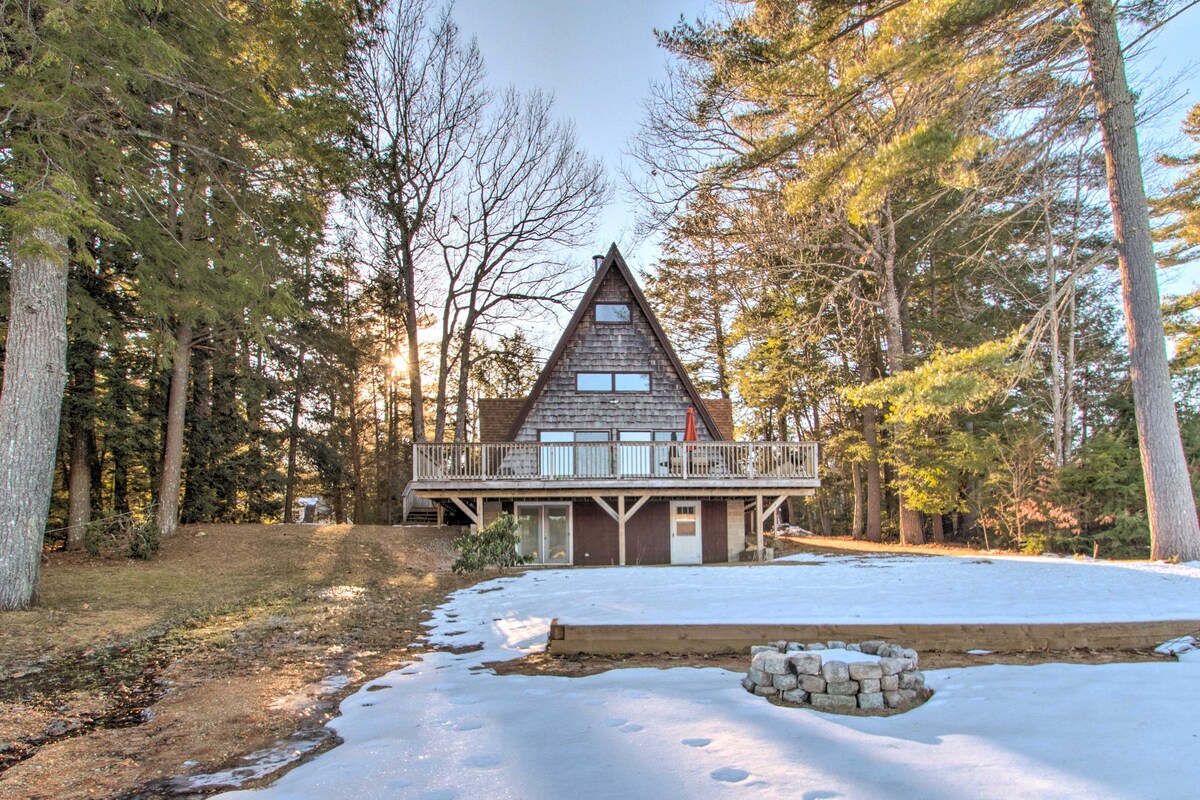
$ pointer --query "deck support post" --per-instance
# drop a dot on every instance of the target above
(759, 525)
(621, 514)
(621, 529)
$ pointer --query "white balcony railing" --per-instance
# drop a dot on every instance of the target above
(634, 462)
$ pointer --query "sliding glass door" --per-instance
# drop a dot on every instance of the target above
(545, 532)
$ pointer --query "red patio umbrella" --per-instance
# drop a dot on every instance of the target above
(689, 430)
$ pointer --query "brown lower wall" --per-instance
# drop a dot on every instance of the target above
(567, 639)
(647, 533)
(714, 530)
(595, 535)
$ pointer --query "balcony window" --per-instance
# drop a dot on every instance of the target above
(557, 461)
(592, 456)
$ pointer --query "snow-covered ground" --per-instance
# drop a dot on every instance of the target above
(444, 728)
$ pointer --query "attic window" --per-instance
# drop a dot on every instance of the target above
(612, 381)
(613, 313)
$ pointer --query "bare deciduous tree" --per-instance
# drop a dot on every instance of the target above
(528, 192)
(421, 87)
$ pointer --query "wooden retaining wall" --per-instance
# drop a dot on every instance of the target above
(569, 639)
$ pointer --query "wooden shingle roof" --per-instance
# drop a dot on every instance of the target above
(614, 261)
(496, 417)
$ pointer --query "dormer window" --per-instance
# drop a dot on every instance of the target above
(613, 313)
(612, 381)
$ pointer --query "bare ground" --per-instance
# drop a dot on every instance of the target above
(845, 545)
(129, 673)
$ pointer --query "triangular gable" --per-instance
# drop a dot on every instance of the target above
(614, 261)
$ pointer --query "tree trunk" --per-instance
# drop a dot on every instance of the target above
(167, 517)
(868, 351)
(910, 519)
(1069, 380)
(874, 520)
(443, 381)
(858, 525)
(79, 504)
(81, 423)
(35, 374)
(720, 336)
(199, 494)
(1170, 505)
(230, 428)
(464, 377)
(411, 330)
(1058, 425)
(939, 531)
(289, 494)
(356, 465)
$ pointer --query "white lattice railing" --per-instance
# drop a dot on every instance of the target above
(631, 461)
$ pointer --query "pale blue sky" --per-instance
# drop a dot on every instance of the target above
(599, 57)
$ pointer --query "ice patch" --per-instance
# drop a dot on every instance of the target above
(259, 764)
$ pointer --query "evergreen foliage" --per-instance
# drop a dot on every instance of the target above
(494, 546)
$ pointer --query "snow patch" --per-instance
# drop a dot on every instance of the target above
(1177, 646)
(996, 731)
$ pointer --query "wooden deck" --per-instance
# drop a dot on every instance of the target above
(570, 639)
(748, 466)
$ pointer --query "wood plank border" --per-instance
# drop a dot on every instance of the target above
(571, 639)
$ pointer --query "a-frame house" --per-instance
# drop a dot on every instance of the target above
(599, 463)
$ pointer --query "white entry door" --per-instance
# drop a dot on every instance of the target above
(685, 532)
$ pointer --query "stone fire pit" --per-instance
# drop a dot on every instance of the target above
(836, 676)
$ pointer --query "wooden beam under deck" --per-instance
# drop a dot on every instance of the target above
(621, 515)
(556, 492)
(464, 508)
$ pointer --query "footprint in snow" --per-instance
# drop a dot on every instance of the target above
(483, 761)
(593, 702)
(697, 742)
(729, 775)
(466, 725)
(637, 694)
(632, 727)
(464, 700)
(615, 722)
